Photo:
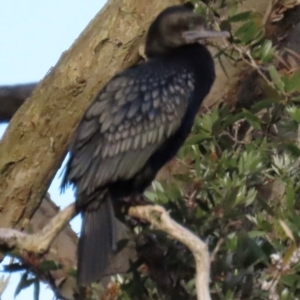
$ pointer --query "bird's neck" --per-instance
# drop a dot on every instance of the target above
(192, 55)
(194, 59)
(197, 59)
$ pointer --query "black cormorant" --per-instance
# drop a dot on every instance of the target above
(135, 125)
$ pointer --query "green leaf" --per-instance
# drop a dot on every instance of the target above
(240, 17)
(233, 118)
(293, 149)
(255, 249)
(125, 296)
(276, 78)
(294, 112)
(157, 186)
(267, 103)
(253, 120)
(295, 99)
(287, 230)
(290, 195)
(248, 32)
(256, 233)
(162, 197)
(36, 289)
(198, 139)
(72, 272)
(251, 196)
(267, 51)
(232, 8)
(292, 82)
(50, 265)
(231, 197)
(291, 280)
(150, 195)
(197, 167)
(23, 283)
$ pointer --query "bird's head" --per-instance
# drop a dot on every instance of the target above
(177, 26)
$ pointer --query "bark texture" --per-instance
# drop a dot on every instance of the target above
(36, 140)
(38, 135)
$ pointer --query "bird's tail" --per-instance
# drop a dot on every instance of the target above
(96, 242)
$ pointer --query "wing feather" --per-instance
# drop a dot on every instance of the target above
(128, 121)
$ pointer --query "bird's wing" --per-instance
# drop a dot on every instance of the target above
(128, 121)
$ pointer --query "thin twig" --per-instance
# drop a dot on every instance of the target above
(216, 249)
(251, 62)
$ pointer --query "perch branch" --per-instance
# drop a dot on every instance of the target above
(158, 217)
(39, 242)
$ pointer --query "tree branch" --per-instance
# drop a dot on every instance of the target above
(37, 243)
(158, 217)
(38, 134)
(12, 97)
(34, 248)
(37, 137)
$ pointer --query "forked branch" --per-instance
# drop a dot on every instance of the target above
(38, 243)
(159, 218)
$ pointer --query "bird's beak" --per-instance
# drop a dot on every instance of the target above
(200, 34)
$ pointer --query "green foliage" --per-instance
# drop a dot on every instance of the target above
(238, 187)
(224, 198)
(27, 280)
(49, 265)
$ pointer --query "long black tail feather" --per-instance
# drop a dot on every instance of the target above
(96, 242)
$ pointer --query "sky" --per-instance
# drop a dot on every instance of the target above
(33, 35)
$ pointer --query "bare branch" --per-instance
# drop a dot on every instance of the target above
(158, 217)
(33, 248)
(22, 243)
(12, 97)
(40, 242)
